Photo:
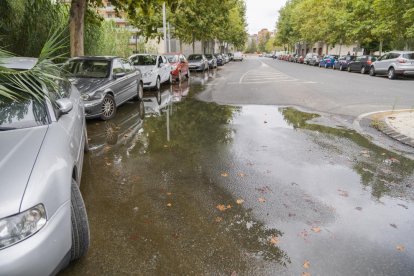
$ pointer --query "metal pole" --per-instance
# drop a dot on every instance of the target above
(164, 23)
(169, 37)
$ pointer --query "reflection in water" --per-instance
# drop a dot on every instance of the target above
(385, 172)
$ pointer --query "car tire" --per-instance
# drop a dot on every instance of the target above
(326, 65)
(363, 70)
(108, 107)
(158, 84)
(372, 71)
(349, 69)
(391, 74)
(341, 68)
(80, 224)
(140, 91)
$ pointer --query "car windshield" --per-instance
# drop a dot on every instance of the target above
(172, 58)
(408, 56)
(22, 114)
(209, 56)
(86, 68)
(195, 57)
(144, 60)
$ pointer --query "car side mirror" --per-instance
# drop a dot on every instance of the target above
(65, 105)
(119, 75)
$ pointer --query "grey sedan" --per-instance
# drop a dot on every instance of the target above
(43, 221)
(104, 83)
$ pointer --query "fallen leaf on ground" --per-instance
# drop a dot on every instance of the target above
(316, 229)
(223, 207)
(219, 219)
(274, 240)
(165, 146)
(169, 193)
(169, 204)
(239, 201)
(306, 274)
(261, 199)
(224, 174)
(242, 175)
(108, 164)
(306, 264)
(400, 247)
(394, 160)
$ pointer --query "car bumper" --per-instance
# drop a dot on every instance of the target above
(93, 108)
(195, 67)
(44, 253)
(405, 71)
(149, 82)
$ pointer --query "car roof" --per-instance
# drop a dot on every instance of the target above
(18, 63)
(95, 57)
(173, 53)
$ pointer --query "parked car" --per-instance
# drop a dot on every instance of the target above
(342, 62)
(220, 60)
(198, 62)
(300, 59)
(231, 56)
(155, 69)
(309, 57)
(43, 220)
(394, 64)
(179, 65)
(361, 64)
(314, 61)
(238, 56)
(212, 61)
(328, 61)
(104, 83)
(226, 58)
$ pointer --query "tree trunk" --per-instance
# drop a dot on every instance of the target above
(193, 43)
(76, 27)
(380, 48)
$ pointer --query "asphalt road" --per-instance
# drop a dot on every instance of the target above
(274, 82)
(249, 187)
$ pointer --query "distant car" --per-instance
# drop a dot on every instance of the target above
(212, 61)
(155, 69)
(314, 61)
(179, 65)
(220, 60)
(309, 57)
(300, 59)
(226, 58)
(328, 61)
(104, 83)
(198, 62)
(394, 64)
(238, 56)
(342, 62)
(43, 219)
(231, 56)
(361, 64)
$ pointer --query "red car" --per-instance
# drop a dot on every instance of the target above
(179, 65)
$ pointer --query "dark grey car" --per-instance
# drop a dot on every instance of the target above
(104, 83)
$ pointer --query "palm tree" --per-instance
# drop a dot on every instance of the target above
(22, 84)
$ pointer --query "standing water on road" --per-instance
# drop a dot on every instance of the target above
(175, 186)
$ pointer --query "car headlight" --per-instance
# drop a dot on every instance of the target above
(148, 73)
(92, 96)
(21, 226)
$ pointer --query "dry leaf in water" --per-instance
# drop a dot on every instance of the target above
(169, 204)
(274, 240)
(224, 174)
(316, 229)
(306, 264)
(219, 219)
(239, 201)
(169, 193)
(223, 207)
(400, 247)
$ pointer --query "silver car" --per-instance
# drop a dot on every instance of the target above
(43, 221)
(394, 64)
(155, 69)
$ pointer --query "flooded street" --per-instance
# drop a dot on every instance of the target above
(177, 186)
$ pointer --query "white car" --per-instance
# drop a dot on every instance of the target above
(238, 56)
(155, 69)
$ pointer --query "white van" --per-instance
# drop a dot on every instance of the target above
(238, 56)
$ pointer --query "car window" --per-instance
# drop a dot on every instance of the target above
(172, 58)
(160, 61)
(394, 55)
(359, 58)
(195, 57)
(144, 60)
(164, 60)
(127, 66)
(86, 68)
(117, 67)
(408, 56)
(22, 114)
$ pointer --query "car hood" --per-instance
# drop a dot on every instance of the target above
(18, 152)
(145, 68)
(195, 61)
(87, 85)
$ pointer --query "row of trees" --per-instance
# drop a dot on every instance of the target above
(373, 24)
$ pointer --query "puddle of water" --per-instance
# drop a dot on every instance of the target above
(198, 188)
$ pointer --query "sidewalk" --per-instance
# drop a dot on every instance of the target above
(399, 125)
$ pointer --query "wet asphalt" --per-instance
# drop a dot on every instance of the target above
(178, 186)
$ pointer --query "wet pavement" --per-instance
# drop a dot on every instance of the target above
(176, 186)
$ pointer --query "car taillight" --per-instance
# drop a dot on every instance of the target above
(401, 60)
(369, 62)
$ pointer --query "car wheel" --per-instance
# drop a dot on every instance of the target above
(170, 79)
(333, 67)
(363, 70)
(349, 68)
(372, 71)
(341, 68)
(158, 96)
(326, 65)
(158, 84)
(391, 74)
(108, 107)
(140, 91)
(80, 225)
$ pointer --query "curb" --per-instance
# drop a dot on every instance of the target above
(391, 132)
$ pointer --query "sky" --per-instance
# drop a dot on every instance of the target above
(262, 14)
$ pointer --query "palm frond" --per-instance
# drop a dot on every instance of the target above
(45, 74)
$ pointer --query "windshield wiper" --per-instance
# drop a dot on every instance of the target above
(6, 128)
